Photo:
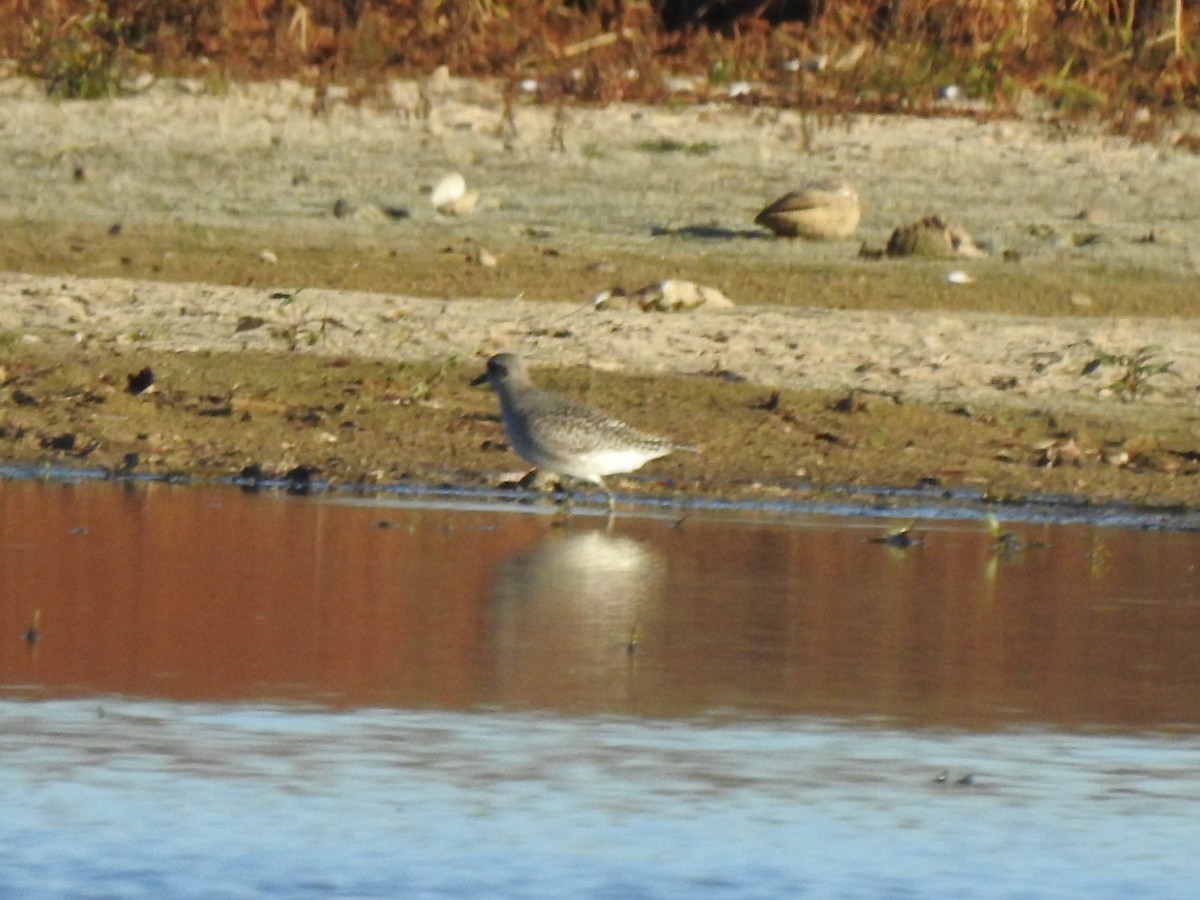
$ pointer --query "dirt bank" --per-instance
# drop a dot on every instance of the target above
(980, 384)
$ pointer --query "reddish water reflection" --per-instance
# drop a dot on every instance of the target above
(209, 594)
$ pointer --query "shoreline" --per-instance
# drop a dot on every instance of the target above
(282, 335)
(374, 389)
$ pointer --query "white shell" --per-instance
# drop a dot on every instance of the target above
(448, 191)
(959, 277)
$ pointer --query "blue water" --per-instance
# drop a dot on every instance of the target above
(208, 694)
(113, 798)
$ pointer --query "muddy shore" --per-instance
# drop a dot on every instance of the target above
(195, 236)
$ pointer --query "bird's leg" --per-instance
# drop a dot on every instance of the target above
(612, 501)
(610, 519)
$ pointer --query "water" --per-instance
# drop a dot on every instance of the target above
(262, 696)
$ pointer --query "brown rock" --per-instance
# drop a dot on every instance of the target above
(818, 212)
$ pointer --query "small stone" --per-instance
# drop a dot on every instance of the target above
(268, 257)
(139, 382)
(932, 238)
(1078, 239)
(676, 295)
(926, 239)
(463, 206)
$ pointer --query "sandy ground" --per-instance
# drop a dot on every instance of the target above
(928, 357)
(256, 157)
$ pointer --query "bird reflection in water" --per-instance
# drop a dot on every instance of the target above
(569, 614)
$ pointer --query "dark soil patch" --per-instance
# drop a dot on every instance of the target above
(353, 421)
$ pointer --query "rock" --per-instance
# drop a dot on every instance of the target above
(931, 238)
(672, 295)
(963, 243)
(140, 382)
(818, 212)
(463, 206)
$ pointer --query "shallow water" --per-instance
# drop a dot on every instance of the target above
(149, 799)
(233, 695)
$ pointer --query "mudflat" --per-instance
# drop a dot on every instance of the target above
(276, 265)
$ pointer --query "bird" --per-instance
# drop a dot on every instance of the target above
(561, 435)
(823, 211)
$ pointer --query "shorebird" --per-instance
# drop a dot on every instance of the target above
(566, 437)
(819, 212)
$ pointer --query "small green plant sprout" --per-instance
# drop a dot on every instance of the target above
(1009, 543)
(298, 328)
(723, 71)
(900, 538)
(424, 386)
(1134, 370)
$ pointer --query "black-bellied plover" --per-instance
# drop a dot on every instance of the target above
(563, 436)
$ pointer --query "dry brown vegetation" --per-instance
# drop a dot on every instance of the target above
(1098, 56)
